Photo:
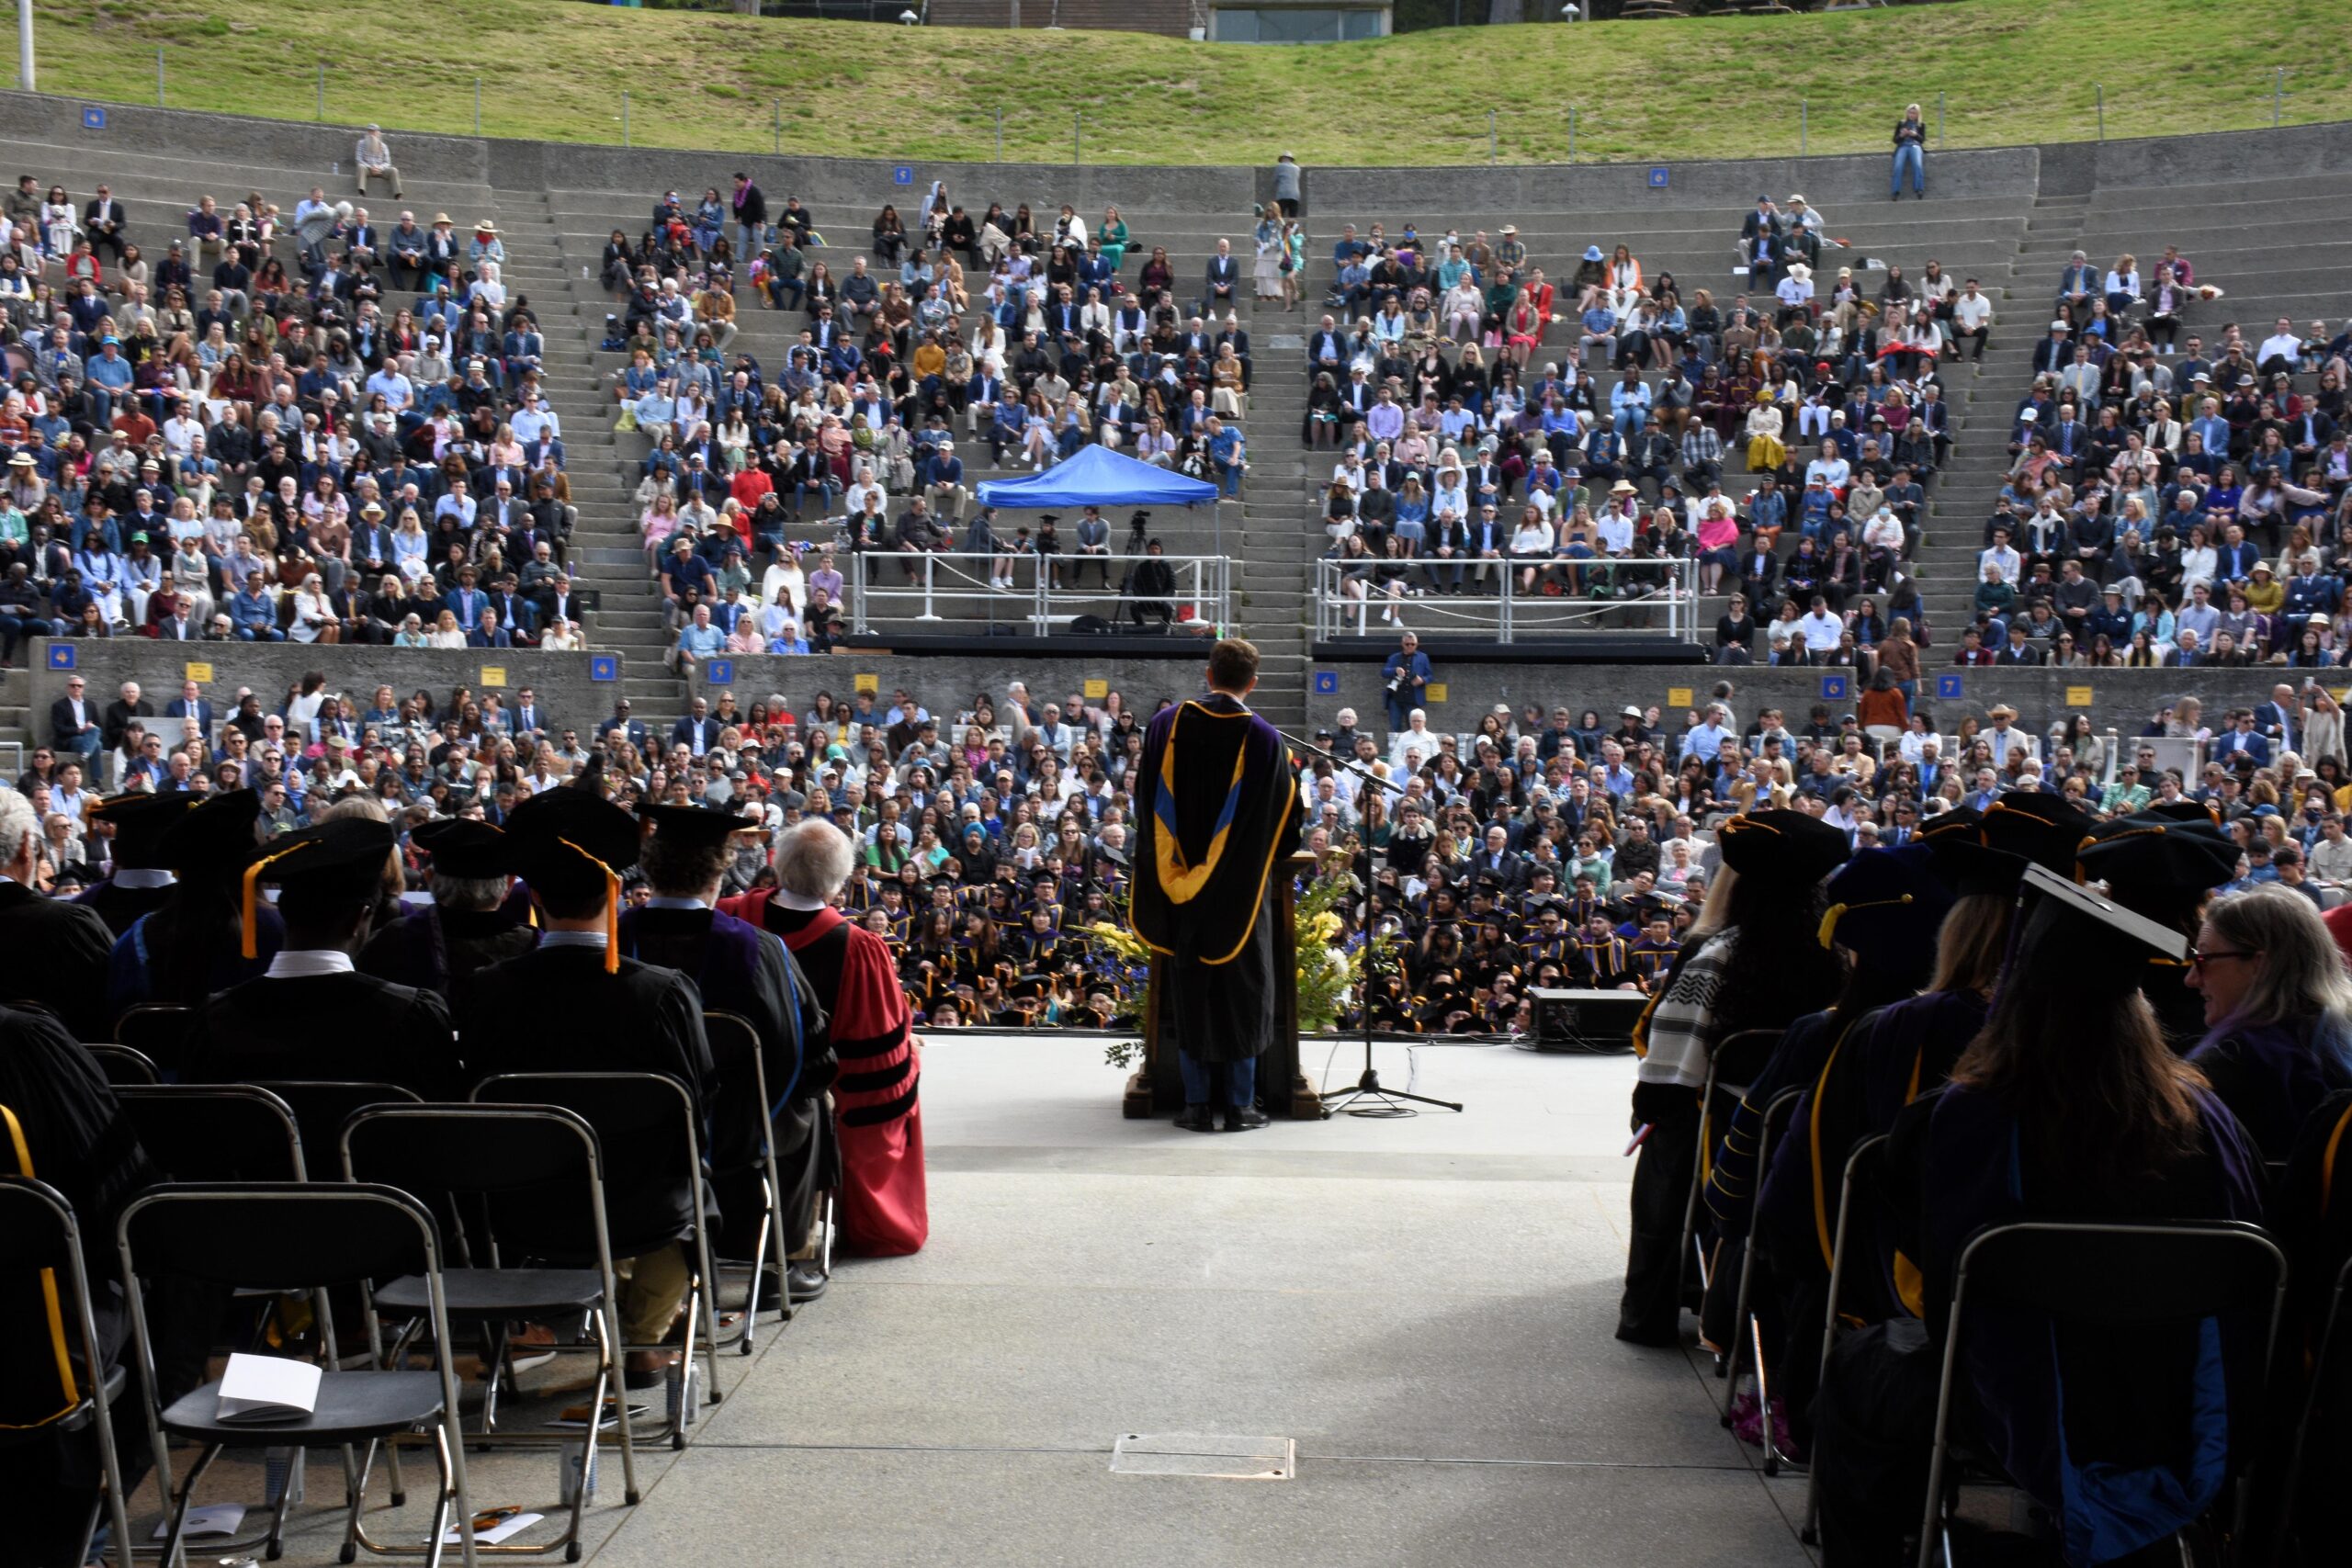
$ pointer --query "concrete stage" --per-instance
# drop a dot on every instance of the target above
(1423, 1306)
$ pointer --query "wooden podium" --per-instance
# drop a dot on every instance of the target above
(1155, 1089)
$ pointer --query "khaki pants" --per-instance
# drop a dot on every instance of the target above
(653, 1286)
(391, 177)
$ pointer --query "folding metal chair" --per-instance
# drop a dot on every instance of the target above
(321, 1108)
(39, 1237)
(158, 1033)
(288, 1236)
(1744, 1050)
(743, 1076)
(122, 1064)
(522, 1161)
(1747, 1328)
(648, 1133)
(1864, 1169)
(2110, 1272)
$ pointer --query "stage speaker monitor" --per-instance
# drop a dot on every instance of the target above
(1597, 1022)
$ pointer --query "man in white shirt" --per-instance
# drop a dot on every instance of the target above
(2003, 738)
(2282, 350)
(1820, 629)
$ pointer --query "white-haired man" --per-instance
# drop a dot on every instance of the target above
(884, 1207)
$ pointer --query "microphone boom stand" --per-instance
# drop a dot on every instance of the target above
(1370, 1098)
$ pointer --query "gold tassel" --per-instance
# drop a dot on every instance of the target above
(1830, 924)
(246, 942)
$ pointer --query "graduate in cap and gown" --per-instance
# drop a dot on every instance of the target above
(312, 1016)
(1222, 814)
(575, 1003)
(60, 1124)
(56, 951)
(1884, 908)
(2069, 1105)
(197, 941)
(742, 970)
(884, 1208)
(1753, 960)
(133, 824)
(471, 923)
(2163, 863)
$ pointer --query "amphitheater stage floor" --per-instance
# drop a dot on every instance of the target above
(1422, 1307)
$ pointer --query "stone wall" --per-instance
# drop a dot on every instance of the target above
(2119, 699)
(564, 684)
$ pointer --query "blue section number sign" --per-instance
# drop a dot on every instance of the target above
(719, 673)
(1947, 688)
(904, 174)
(93, 117)
(1658, 179)
(61, 655)
(1327, 683)
(603, 667)
(1833, 688)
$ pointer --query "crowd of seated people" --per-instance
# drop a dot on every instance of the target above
(332, 431)
(1025, 334)
(2169, 502)
(1493, 425)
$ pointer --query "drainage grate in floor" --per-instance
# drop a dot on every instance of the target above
(1205, 1456)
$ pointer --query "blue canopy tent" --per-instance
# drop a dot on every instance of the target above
(1097, 476)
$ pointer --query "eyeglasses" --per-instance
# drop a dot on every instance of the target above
(2197, 959)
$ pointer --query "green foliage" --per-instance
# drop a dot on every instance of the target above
(2005, 72)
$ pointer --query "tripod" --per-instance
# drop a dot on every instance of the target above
(1370, 1098)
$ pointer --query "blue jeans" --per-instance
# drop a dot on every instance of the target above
(1219, 1083)
(1911, 156)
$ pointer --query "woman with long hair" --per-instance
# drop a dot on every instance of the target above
(2068, 1104)
(2278, 1010)
(1753, 960)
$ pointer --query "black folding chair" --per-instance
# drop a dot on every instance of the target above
(157, 1032)
(648, 1133)
(219, 1133)
(1736, 1055)
(40, 1239)
(288, 1236)
(1747, 1328)
(321, 1108)
(2105, 1273)
(122, 1064)
(1865, 1171)
(540, 1175)
(743, 1090)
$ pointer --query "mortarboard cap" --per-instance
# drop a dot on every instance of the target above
(140, 821)
(213, 837)
(1885, 908)
(699, 827)
(460, 846)
(571, 844)
(338, 863)
(1785, 845)
(2161, 861)
(2107, 946)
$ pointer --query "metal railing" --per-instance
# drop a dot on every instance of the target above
(1589, 598)
(934, 590)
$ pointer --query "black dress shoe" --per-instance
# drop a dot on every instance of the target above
(806, 1282)
(1197, 1119)
(1244, 1119)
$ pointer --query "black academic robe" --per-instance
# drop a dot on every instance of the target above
(76, 1139)
(56, 956)
(121, 906)
(1224, 811)
(332, 1028)
(554, 1010)
(432, 947)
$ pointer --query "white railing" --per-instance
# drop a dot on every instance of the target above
(1593, 597)
(936, 590)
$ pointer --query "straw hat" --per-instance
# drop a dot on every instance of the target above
(1800, 272)
(1623, 487)
(439, 219)
(486, 226)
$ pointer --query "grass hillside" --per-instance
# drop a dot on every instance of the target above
(2011, 71)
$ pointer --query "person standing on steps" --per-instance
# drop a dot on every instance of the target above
(1224, 811)
(1286, 184)
(1911, 153)
(1404, 681)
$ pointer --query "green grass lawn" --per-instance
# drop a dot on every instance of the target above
(2009, 72)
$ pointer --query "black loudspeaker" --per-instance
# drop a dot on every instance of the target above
(1090, 626)
(1594, 1023)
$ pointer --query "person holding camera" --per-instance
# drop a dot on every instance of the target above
(1404, 678)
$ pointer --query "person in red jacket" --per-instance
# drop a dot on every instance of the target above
(884, 1210)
